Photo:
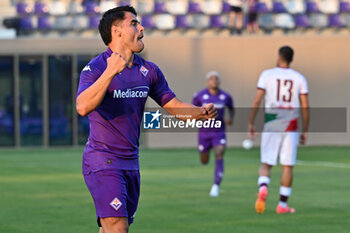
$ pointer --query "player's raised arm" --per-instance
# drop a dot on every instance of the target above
(304, 103)
(162, 94)
(186, 111)
(90, 98)
(254, 110)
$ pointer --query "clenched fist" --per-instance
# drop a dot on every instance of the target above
(210, 111)
(115, 64)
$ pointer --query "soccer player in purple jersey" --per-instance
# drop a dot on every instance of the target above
(214, 137)
(112, 92)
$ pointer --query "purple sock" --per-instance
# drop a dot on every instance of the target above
(219, 171)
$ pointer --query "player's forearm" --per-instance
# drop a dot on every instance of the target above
(252, 116)
(255, 106)
(89, 99)
(231, 113)
(306, 117)
(253, 112)
(304, 102)
(184, 111)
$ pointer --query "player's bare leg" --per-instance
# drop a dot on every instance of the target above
(204, 157)
(219, 151)
(285, 190)
(114, 225)
(232, 21)
(239, 23)
(265, 170)
(287, 176)
(219, 169)
(252, 27)
(263, 182)
(255, 27)
(249, 28)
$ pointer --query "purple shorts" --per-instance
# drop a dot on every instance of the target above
(115, 192)
(208, 140)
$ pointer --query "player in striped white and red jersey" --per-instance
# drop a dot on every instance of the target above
(285, 92)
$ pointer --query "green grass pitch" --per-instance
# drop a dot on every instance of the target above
(42, 190)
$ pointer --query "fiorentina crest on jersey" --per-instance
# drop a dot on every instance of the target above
(144, 70)
(116, 204)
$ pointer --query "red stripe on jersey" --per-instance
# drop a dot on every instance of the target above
(293, 125)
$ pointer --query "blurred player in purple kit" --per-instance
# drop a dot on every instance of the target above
(214, 137)
(112, 92)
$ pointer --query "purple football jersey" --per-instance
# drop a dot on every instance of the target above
(220, 100)
(115, 124)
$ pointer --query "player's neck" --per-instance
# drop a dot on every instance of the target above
(283, 66)
(213, 91)
(126, 54)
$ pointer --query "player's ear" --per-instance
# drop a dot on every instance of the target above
(115, 30)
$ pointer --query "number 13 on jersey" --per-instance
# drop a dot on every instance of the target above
(284, 90)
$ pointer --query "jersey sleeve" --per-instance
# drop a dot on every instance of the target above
(304, 89)
(87, 77)
(262, 81)
(196, 100)
(159, 89)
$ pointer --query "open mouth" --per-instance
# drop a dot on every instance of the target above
(140, 37)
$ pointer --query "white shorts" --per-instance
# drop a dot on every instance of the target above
(284, 145)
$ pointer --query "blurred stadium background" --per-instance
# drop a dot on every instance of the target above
(46, 43)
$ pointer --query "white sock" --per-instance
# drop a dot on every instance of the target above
(283, 204)
(263, 180)
(284, 194)
(285, 191)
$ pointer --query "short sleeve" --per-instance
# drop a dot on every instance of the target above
(87, 77)
(304, 87)
(196, 100)
(160, 91)
(229, 102)
(262, 81)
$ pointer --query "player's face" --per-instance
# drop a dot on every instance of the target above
(131, 33)
(213, 82)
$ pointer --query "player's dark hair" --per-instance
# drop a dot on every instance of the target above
(286, 53)
(111, 16)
